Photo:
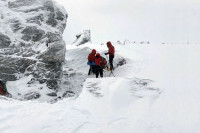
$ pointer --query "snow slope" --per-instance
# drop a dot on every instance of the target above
(157, 91)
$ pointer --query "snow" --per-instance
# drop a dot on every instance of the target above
(20, 87)
(157, 91)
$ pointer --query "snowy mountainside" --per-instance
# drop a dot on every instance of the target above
(31, 46)
(147, 95)
(76, 68)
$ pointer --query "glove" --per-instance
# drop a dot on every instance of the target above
(105, 53)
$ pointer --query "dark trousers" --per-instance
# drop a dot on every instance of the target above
(91, 70)
(98, 70)
(111, 57)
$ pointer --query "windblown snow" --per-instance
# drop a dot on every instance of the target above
(156, 91)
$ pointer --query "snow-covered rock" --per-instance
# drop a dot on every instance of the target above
(31, 41)
(82, 38)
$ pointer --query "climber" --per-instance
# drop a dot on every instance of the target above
(3, 89)
(111, 52)
(98, 66)
(91, 61)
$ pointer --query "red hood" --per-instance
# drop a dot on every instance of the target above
(109, 44)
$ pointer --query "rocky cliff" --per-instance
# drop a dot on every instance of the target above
(31, 43)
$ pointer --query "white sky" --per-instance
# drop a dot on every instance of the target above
(171, 21)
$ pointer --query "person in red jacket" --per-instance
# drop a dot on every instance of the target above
(91, 60)
(3, 89)
(111, 52)
(98, 67)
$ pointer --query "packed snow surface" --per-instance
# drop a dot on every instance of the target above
(156, 91)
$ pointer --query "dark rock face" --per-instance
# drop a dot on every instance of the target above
(53, 94)
(68, 94)
(32, 33)
(10, 66)
(31, 41)
(4, 41)
(32, 95)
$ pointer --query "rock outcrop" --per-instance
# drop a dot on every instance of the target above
(31, 41)
(82, 38)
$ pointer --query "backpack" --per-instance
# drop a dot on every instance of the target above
(103, 62)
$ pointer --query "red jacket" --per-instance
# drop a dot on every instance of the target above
(1, 90)
(98, 60)
(91, 57)
(111, 49)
